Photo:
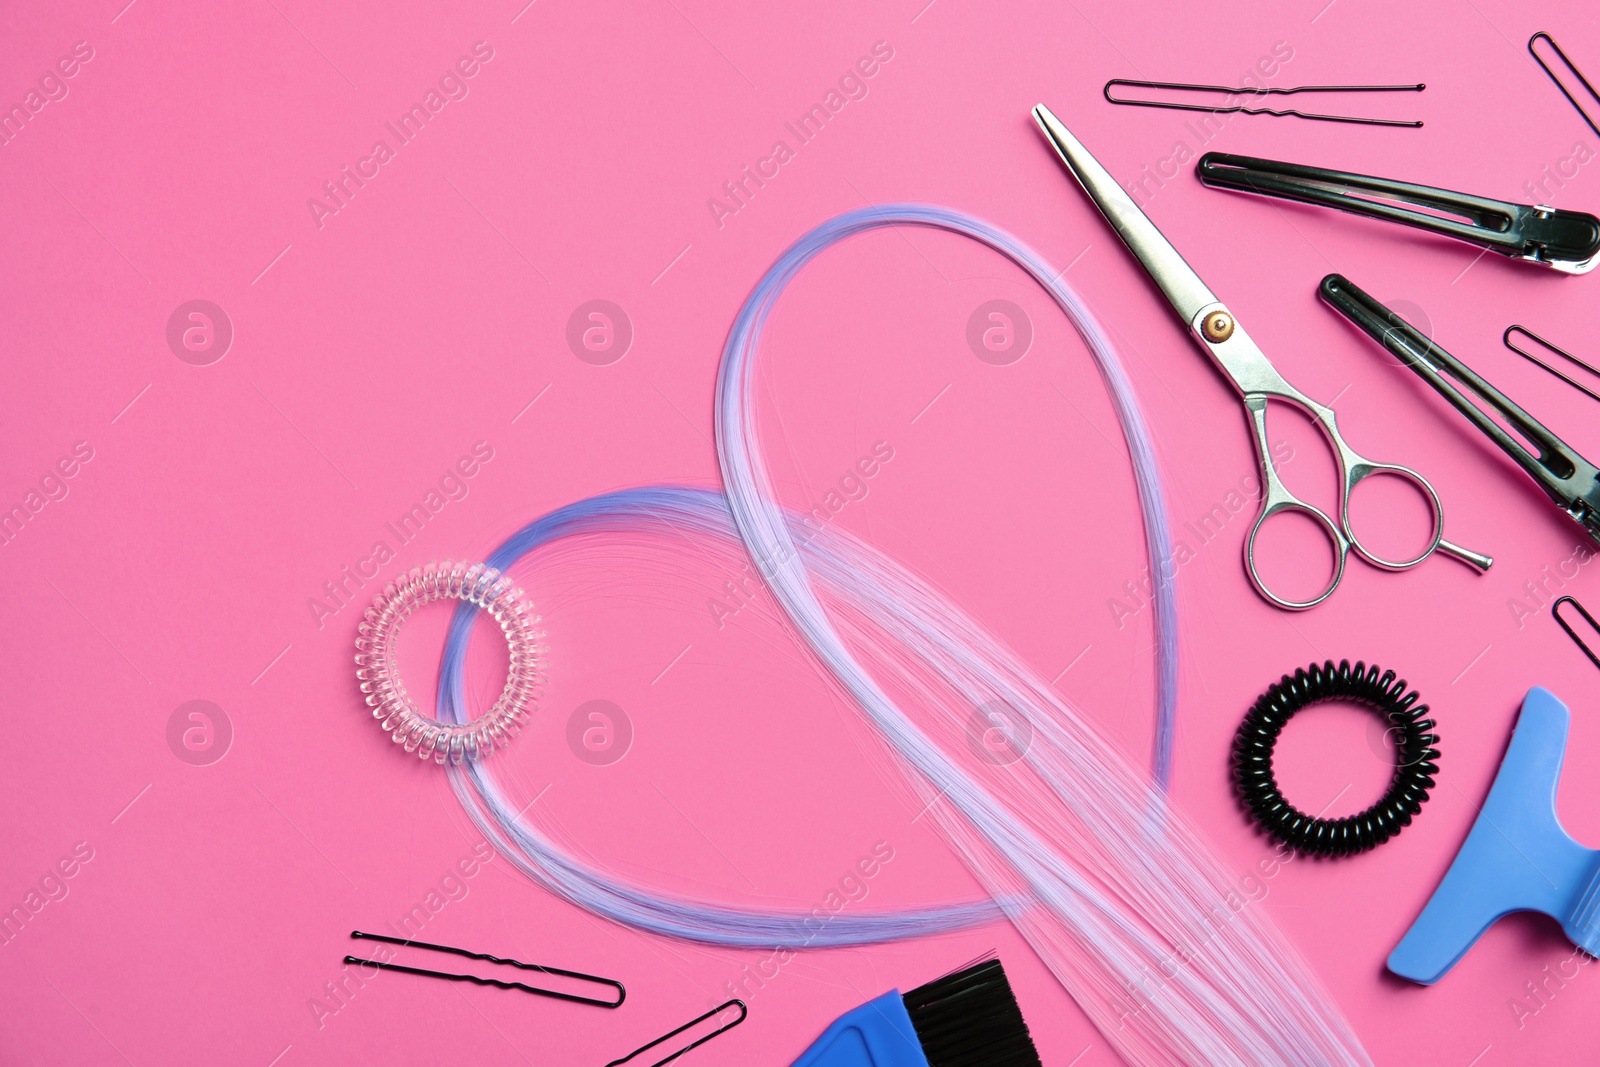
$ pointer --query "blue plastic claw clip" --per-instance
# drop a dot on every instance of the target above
(1517, 857)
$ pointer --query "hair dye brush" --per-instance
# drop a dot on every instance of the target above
(967, 1019)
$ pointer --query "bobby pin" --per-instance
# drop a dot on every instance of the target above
(1250, 91)
(1563, 353)
(1576, 73)
(1555, 609)
(360, 935)
(719, 1009)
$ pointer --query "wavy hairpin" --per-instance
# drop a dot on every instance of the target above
(1232, 92)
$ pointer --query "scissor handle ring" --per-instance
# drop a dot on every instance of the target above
(1359, 473)
(1341, 552)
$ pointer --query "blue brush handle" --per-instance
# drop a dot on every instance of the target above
(877, 1034)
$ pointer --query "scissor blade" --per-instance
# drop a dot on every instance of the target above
(1177, 280)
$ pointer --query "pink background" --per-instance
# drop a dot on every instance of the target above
(430, 312)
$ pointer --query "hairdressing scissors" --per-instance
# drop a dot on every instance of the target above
(1217, 331)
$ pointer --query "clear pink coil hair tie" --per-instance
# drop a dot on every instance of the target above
(386, 695)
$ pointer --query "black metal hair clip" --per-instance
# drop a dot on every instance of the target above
(1569, 479)
(1572, 68)
(1248, 91)
(362, 936)
(1568, 241)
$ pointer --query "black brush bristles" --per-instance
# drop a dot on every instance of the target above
(971, 1019)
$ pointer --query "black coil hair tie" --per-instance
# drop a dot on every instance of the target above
(1415, 758)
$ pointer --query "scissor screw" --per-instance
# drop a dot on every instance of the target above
(1217, 327)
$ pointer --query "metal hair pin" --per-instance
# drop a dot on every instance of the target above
(1588, 650)
(724, 1028)
(1554, 350)
(1227, 90)
(362, 936)
(1573, 69)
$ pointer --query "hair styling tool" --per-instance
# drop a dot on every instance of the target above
(1572, 68)
(1567, 241)
(1588, 650)
(1248, 91)
(379, 674)
(1218, 332)
(1517, 857)
(556, 994)
(966, 1019)
(1570, 480)
(1415, 757)
(1554, 350)
(1113, 890)
(697, 1042)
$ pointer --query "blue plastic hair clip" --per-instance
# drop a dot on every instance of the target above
(1517, 857)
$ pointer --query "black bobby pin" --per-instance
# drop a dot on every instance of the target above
(719, 1009)
(1558, 350)
(362, 936)
(1573, 68)
(1555, 609)
(1136, 83)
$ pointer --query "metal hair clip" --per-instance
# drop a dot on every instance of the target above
(1555, 609)
(1570, 480)
(617, 1003)
(724, 1028)
(1568, 241)
(1135, 83)
(1572, 67)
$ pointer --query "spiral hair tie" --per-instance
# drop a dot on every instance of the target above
(379, 675)
(1415, 758)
